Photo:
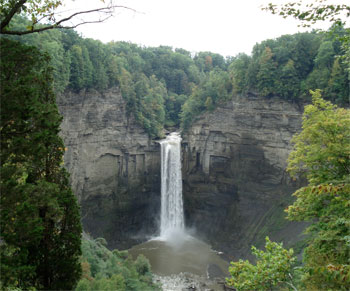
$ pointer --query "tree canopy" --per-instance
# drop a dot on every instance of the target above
(171, 87)
(322, 154)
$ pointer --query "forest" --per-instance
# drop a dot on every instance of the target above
(166, 87)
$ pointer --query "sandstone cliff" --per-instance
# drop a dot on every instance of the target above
(234, 160)
(235, 184)
(114, 167)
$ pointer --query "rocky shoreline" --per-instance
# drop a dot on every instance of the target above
(189, 282)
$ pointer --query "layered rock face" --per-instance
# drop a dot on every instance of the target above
(235, 184)
(234, 180)
(114, 167)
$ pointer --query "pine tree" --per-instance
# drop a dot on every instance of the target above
(40, 221)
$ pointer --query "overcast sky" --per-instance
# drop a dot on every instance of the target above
(227, 27)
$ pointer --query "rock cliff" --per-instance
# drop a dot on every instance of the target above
(114, 167)
(235, 184)
(234, 180)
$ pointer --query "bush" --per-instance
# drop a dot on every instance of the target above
(142, 265)
(273, 268)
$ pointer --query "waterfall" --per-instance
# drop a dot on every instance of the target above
(171, 214)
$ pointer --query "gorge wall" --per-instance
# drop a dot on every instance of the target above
(114, 167)
(235, 183)
(234, 180)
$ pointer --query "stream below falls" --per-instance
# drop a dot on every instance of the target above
(183, 262)
(178, 260)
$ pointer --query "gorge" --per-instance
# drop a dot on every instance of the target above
(234, 182)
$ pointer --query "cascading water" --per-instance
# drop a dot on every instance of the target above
(175, 252)
(171, 214)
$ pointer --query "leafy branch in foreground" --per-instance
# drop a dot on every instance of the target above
(273, 268)
(312, 12)
(45, 11)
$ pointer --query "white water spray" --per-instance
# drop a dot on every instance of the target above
(171, 214)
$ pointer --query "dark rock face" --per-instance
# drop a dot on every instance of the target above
(234, 180)
(114, 167)
(235, 184)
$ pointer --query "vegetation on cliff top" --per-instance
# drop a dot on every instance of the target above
(165, 87)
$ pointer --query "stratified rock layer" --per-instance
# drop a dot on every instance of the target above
(114, 167)
(234, 180)
(235, 184)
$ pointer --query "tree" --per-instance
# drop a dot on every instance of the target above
(45, 11)
(40, 220)
(338, 88)
(317, 11)
(238, 70)
(322, 154)
(266, 76)
(273, 268)
(288, 83)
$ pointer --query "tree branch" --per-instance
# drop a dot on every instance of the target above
(12, 12)
(105, 10)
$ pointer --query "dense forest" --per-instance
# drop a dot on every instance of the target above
(166, 87)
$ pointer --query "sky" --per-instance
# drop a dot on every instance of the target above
(226, 27)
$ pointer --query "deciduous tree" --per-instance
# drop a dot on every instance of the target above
(322, 154)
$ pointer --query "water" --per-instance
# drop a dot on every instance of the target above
(172, 214)
(186, 254)
(180, 261)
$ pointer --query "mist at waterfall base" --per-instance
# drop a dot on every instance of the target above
(175, 250)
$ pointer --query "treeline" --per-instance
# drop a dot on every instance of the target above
(164, 87)
(291, 65)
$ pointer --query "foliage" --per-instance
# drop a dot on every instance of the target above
(113, 270)
(317, 10)
(292, 65)
(273, 268)
(322, 154)
(40, 221)
(164, 87)
(46, 10)
(214, 89)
